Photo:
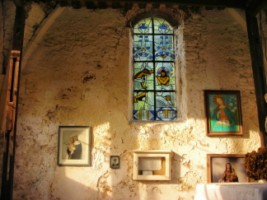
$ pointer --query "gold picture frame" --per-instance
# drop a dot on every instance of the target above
(223, 112)
(218, 163)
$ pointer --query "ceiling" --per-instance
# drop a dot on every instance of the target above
(252, 6)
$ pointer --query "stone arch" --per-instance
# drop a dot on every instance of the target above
(173, 15)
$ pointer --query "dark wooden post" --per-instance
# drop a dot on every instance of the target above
(11, 104)
(258, 72)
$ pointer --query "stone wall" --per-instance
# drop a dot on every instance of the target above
(262, 18)
(78, 73)
(7, 18)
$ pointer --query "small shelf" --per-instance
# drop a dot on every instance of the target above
(152, 165)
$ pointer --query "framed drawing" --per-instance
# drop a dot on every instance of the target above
(226, 168)
(74, 146)
(223, 112)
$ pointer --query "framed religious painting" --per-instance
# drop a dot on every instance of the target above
(226, 168)
(74, 145)
(223, 112)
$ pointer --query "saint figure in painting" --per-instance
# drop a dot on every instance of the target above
(229, 174)
(164, 81)
(141, 77)
(224, 117)
(74, 148)
(164, 98)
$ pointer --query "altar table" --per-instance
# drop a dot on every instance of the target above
(231, 191)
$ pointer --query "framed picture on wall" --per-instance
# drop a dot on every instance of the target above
(74, 145)
(114, 162)
(226, 168)
(223, 112)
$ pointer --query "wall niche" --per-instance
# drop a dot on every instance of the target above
(152, 165)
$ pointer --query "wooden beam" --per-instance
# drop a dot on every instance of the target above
(76, 4)
(18, 33)
(211, 3)
(16, 54)
(254, 7)
(258, 72)
(101, 4)
(12, 104)
(19, 2)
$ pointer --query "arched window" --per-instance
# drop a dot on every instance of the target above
(154, 87)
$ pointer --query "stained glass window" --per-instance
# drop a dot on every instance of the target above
(154, 92)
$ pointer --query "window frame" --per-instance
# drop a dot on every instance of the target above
(173, 62)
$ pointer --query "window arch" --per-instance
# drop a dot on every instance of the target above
(154, 74)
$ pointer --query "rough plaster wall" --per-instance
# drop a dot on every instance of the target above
(262, 19)
(79, 75)
(35, 15)
(7, 22)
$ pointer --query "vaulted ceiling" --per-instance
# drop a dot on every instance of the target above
(252, 6)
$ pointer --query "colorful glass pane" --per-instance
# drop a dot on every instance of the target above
(166, 114)
(161, 26)
(165, 76)
(144, 26)
(154, 96)
(143, 48)
(164, 48)
(165, 105)
(143, 106)
(143, 76)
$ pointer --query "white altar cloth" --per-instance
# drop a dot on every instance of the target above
(231, 191)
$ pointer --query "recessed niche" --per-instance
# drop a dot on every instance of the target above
(152, 165)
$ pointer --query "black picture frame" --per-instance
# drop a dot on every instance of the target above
(74, 145)
(114, 162)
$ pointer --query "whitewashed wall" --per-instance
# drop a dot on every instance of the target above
(76, 72)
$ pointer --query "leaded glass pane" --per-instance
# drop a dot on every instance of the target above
(165, 99)
(144, 106)
(165, 76)
(143, 76)
(143, 48)
(154, 95)
(164, 48)
(166, 114)
(144, 26)
(161, 26)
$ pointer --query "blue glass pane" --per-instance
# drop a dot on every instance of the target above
(143, 76)
(143, 48)
(154, 91)
(165, 76)
(166, 105)
(162, 27)
(143, 106)
(164, 48)
(166, 114)
(144, 26)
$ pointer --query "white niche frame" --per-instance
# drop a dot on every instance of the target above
(158, 161)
